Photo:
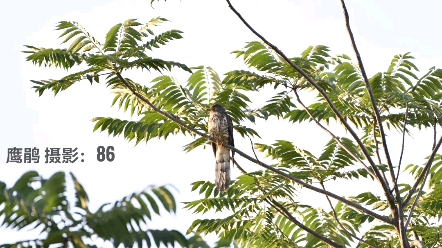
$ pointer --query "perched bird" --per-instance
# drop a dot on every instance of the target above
(221, 129)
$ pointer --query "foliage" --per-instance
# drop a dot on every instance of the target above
(262, 206)
(44, 204)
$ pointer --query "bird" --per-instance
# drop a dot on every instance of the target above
(220, 128)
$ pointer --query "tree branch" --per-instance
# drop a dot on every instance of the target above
(397, 211)
(306, 185)
(403, 144)
(283, 211)
(367, 85)
(324, 95)
(417, 244)
(424, 174)
(333, 136)
(339, 223)
(434, 132)
(377, 150)
(253, 149)
(376, 141)
(373, 101)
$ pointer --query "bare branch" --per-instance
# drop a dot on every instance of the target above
(339, 223)
(304, 184)
(403, 144)
(324, 95)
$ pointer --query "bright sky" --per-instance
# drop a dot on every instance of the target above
(211, 31)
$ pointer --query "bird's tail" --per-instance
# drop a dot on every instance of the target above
(222, 169)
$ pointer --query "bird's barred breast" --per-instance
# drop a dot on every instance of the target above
(218, 128)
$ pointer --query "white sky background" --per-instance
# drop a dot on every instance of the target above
(211, 31)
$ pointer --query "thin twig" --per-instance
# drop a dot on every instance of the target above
(376, 142)
(239, 167)
(382, 105)
(434, 132)
(339, 222)
(333, 136)
(253, 149)
(302, 226)
(283, 211)
(324, 95)
(410, 213)
(423, 175)
(417, 242)
(403, 143)
(290, 177)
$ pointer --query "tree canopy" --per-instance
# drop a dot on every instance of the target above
(262, 205)
(44, 204)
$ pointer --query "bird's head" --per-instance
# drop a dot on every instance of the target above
(217, 107)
